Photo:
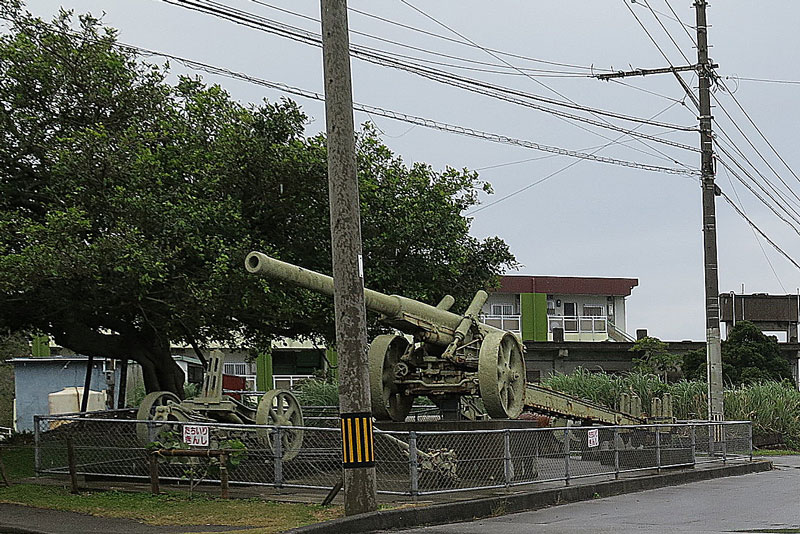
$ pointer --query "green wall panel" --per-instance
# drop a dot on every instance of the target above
(533, 308)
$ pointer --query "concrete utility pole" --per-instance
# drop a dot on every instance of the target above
(704, 69)
(348, 271)
(713, 339)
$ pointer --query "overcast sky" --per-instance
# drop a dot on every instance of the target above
(591, 219)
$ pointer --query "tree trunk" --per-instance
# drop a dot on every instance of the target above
(160, 371)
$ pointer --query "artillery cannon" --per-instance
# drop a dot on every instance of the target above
(276, 408)
(449, 355)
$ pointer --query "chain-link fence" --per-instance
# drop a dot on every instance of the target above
(410, 463)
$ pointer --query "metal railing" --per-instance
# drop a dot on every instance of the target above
(512, 323)
(5, 433)
(594, 324)
(407, 463)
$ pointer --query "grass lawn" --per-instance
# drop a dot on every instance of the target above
(18, 461)
(167, 509)
(173, 508)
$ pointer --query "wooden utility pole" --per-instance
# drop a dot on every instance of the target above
(348, 270)
(704, 69)
(713, 339)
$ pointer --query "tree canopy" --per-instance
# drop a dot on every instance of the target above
(748, 355)
(128, 204)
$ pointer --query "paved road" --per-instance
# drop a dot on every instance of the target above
(761, 502)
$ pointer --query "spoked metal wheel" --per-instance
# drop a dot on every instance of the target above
(279, 407)
(388, 401)
(501, 375)
(155, 407)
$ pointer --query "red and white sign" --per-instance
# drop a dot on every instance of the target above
(195, 435)
(594, 437)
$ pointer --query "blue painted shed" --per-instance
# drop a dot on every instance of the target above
(36, 378)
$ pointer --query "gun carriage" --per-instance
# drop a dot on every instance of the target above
(276, 408)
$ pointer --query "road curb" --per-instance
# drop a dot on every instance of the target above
(455, 512)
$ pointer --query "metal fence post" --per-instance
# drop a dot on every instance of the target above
(566, 456)
(508, 472)
(711, 432)
(37, 458)
(277, 448)
(413, 470)
(724, 437)
(616, 453)
(694, 443)
(750, 439)
(658, 450)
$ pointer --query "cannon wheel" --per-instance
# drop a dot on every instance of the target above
(148, 411)
(388, 402)
(501, 375)
(278, 407)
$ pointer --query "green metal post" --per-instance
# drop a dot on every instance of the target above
(264, 372)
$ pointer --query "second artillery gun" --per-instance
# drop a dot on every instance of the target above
(452, 358)
(449, 356)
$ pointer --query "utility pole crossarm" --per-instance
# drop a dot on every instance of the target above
(645, 72)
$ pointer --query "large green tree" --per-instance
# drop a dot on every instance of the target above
(127, 206)
(748, 355)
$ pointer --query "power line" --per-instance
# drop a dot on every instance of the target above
(762, 80)
(673, 18)
(683, 24)
(755, 235)
(764, 137)
(777, 203)
(420, 121)
(384, 59)
(433, 52)
(465, 38)
(463, 43)
(759, 230)
(380, 58)
(551, 175)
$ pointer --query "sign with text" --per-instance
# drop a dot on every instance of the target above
(195, 435)
(594, 437)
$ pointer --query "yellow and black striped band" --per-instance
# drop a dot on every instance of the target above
(357, 442)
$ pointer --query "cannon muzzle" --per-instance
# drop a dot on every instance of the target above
(258, 263)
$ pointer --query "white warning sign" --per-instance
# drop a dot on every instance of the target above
(594, 437)
(195, 435)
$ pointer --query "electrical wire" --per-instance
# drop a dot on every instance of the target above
(755, 235)
(539, 82)
(725, 165)
(752, 122)
(463, 43)
(551, 175)
(762, 80)
(674, 18)
(549, 72)
(759, 230)
(380, 58)
(420, 121)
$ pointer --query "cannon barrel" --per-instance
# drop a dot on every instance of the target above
(394, 308)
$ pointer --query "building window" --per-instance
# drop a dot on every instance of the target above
(236, 369)
(570, 309)
(502, 309)
(593, 311)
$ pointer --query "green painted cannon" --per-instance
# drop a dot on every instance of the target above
(442, 355)
(277, 408)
